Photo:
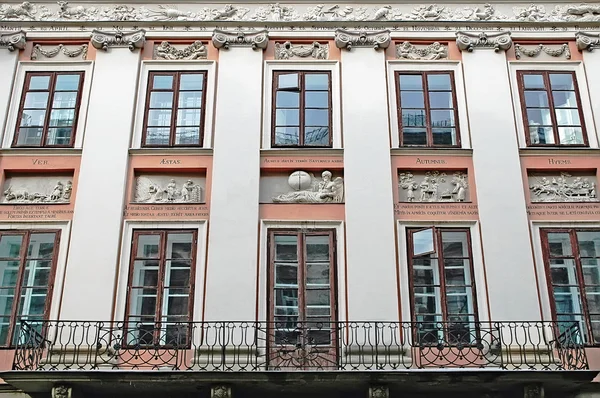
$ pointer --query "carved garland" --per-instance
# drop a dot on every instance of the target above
(534, 52)
(433, 51)
(166, 50)
(74, 53)
(288, 50)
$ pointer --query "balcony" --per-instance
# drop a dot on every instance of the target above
(352, 352)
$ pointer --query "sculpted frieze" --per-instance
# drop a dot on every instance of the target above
(304, 187)
(36, 190)
(289, 50)
(433, 186)
(276, 12)
(166, 50)
(168, 189)
(428, 52)
(564, 187)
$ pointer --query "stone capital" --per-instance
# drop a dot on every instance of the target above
(12, 40)
(223, 39)
(102, 40)
(348, 39)
(587, 41)
(467, 41)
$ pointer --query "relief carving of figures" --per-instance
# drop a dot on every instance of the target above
(149, 191)
(335, 12)
(433, 51)
(426, 13)
(13, 40)
(166, 50)
(60, 193)
(275, 12)
(434, 186)
(67, 12)
(532, 13)
(565, 188)
(308, 189)
(487, 13)
(23, 11)
(581, 12)
(288, 50)
(548, 49)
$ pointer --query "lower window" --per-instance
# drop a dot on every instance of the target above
(27, 267)
(440, 262)
(572, 263)
(161, 287)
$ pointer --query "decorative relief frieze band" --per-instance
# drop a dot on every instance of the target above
(563, 187)
(12, 40)
(226, 39)
(429, 52)
(466, 41)
(348, 39)
(288, 50)
(587, 41)
(379, 392)
(103, 40)
(551, 50)
(40, 51)
(166, 50)
(61, 391)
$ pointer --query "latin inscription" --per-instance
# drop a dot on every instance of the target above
(302, 161)
(548, 211)
(166, 211)
(40, 162)
(430, 161)
(170, 161)
(452, 210)
(555, 162)
(34, 212)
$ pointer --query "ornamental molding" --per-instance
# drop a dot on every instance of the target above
(289, 50)
(563, 187)
(346, 39)
(222, 39)
(61, 391)
(220, 392)
(41, 51)
(587, 41)
(548, 49)
(467, 41)
(166, 50)
(379, 392)
(429, 52)
(12, 40)
(63, 11)
(102, 40)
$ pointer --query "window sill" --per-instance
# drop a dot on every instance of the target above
(41, 151)
(171, 151)
(302, 151)
(431, 151)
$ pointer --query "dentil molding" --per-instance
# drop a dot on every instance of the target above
(223, 39)
(587, 41)
(348, 39)
(12, 40)
(102, 40)
(466, 41)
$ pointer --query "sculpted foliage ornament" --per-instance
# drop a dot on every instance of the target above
(226, 39)
(78, 51)
(13, 40)
(308, 189)
(166, 50)
(550, 50)
(564, 188)
(496, 41)
(587, 41)
(348, 39)
(103, 40)
(288, 50)
(430, 52)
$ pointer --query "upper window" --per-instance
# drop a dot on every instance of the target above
(48, 110)
(442, 285)
(27, 267)
(427, 110)
(301, 109)
(572, 261)
(160, 287)
(551, 108)
(175, 109)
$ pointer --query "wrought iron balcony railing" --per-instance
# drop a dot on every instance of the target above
(262, 346)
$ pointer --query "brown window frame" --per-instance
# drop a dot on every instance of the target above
(427, 106)
(19, 285)
(438, 250)
(161, 280)
(49, 106)
(174, 109)
(548, 90)
(301, 106)
(576, 256)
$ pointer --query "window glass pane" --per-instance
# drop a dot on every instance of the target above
(411, 82)
(457, 272)
(179, 276)
(179, 245)
(317, 273)
(10, 246)
(159, 117)
(288, 81)
(414, 118)
(287, 297)
(533, 81)
(161, 99)
(287, 117)
(187, 136)
(286, 248)
(317, 248)
(539, 116)
(316, 117)
(316, 136)
(313, 81)
(145, 273)
(36, 100)
(32, 301)
(536, 99)
(161, 82)
(589, 243)
(562, 272)
(316, 99)
(6, 303)
(412, 136)
(412, 99)
(287, 135)
(455, 244)
(442, 118)
(317, 297)
(9, 273)
(157, 136)
(561, 81)
(459, 304)
(438, 82)
(559, 244)
(33, 118)
(30, 136)
(188, 117)
(444, 136)
(286, 274)
(425, 276)
(541, 135)
(191, 81)
(564, 99)
(568, 117)
(592, 295)
(67, 82)
(59, 136)
(142, 301)
(287, 99)
(570, 135)
(39, 82)
(62, 117)
(177, 305)
(190, 99)
(64, 99)
(441, 99)
(148, 246)
(591, 271)
(595, 322)
(41, 245)
(423, 242)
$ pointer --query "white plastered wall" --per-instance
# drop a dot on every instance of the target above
(8, 67)
(157, 66)
(38, 66)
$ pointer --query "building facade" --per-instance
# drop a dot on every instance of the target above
(301, 198)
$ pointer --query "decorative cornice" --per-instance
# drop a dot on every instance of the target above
(165, 50)
(103, 40)
(12, 40)
(553, 51)
(79, 51)
(347, 39)
(587, 41)
(226, 39)
(289, 50)
(496, 41)
(430, 52)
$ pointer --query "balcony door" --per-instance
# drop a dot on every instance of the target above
(302, 300)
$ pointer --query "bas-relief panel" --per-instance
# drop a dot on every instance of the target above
(21, 189)
(562, 187)
(433, 186)
(161, 188)
(302, 187)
